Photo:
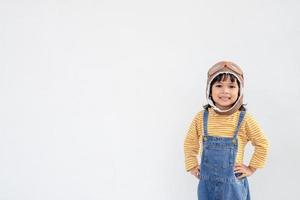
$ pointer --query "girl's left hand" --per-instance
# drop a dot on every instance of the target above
(244, 170)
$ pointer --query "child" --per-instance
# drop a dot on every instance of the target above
(222, 131)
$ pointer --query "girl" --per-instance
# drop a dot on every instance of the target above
(222, 131)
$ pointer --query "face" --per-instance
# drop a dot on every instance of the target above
(225, 93)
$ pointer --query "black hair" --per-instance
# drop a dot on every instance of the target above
(222, 77)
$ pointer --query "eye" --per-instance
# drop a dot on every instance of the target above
(218, 85)
(232, 86)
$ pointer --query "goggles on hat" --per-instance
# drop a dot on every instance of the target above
(230, 66)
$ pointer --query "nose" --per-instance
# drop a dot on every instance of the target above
(225, 90)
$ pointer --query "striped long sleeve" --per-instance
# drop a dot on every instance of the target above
(258, 140)
(224, 126)
(191, 143)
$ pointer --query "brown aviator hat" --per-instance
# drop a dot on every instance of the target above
(228, 68)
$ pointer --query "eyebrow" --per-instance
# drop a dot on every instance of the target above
(233, 83)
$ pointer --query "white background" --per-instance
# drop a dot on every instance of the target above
(97, 96)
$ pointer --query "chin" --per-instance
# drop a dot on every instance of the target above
(225, 107)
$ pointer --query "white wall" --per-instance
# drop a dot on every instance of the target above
(97, 96)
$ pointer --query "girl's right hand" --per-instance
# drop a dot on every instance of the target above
(195, 171)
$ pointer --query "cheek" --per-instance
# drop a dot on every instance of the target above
(236, 93)
(214, 92)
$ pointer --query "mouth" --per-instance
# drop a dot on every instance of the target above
(225, 98)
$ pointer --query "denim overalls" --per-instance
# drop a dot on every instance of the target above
(217, 178)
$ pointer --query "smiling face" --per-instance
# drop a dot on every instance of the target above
(225, 92)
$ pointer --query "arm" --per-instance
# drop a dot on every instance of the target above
(191, 143)
(259, 141)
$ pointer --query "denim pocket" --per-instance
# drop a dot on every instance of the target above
(216, 157)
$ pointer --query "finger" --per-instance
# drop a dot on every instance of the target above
(239, 166)
(198, 173)
(239, 171)
(236, 168)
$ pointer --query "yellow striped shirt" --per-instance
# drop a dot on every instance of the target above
(224, 126)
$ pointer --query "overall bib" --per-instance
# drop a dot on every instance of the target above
(217, 178)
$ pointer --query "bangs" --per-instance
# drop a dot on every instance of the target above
(224, 77)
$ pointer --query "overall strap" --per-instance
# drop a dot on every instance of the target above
(241, 117)
(205, 119)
